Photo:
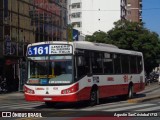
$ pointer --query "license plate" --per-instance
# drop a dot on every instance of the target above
(47, 98)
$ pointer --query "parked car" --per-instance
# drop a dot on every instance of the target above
(153, 76)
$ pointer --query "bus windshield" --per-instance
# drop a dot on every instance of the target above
(50, 70)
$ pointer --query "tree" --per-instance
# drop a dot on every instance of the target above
(132, 36)
(69, 32)
(99, 36)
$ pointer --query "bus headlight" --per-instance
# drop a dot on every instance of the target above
(27, 90)
(72, 89)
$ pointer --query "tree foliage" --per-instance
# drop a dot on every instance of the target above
(132, 36)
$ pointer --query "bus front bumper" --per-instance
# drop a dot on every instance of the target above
(43, 98)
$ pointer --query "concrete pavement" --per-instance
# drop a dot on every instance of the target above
(143, 99)
(152, 92)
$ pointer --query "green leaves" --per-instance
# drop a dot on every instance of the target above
(132, 36)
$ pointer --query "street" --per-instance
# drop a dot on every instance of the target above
(14, 102)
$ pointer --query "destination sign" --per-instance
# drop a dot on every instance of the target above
(49, 49)
(60, 49)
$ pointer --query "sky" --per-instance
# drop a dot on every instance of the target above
(151, 15)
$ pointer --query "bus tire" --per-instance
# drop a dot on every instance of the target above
(130, 92)
(50, 104)
(94, 97)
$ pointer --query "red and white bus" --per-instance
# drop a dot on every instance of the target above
(75, 71)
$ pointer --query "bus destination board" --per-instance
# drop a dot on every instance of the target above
(49, 49)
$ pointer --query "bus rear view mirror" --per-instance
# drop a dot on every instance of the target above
(80, 61)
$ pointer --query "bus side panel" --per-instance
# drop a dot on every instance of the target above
(113, 85)
(84, 94)
(112, 90)
(138, 87)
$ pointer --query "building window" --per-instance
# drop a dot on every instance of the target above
(76, 5)
(76, 24)
(129, 4)
(76, 15)
(128, 12)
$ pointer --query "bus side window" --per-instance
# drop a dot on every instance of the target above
(96, 59)
(80, 61)
(82, 66)
(108, 63)
(125, 63)
(133, 65)
(139, 64)
(117, 63)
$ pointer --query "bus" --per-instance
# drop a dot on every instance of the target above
(75, 71)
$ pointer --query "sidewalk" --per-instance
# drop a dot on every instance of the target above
(12, 95)
(151, 91)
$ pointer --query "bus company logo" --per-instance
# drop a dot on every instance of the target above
(55, 88)
(6, 114)
(39, 88)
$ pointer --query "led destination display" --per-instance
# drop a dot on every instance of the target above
(49, 49)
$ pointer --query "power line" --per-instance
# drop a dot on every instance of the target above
(143, 9)
(151, 9)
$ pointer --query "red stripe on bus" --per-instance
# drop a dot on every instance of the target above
(84, 94)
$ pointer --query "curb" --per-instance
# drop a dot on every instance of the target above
(144, 99)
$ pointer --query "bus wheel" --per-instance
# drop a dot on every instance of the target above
(130, 92)
(50, 104)
(94, 100)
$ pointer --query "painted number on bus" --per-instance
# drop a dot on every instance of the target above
(38, 50)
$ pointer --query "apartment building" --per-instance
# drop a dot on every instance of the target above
(131, 10)
(89, 16)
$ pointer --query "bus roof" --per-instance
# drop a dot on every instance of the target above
(91, 46)
(103, 47)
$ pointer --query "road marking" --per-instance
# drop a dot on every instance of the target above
(106, 106)
(21, 105)
(129, 107)
(149, 109)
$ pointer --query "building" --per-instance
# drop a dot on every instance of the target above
(89, 16)
(131, 10)
(23, 22)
